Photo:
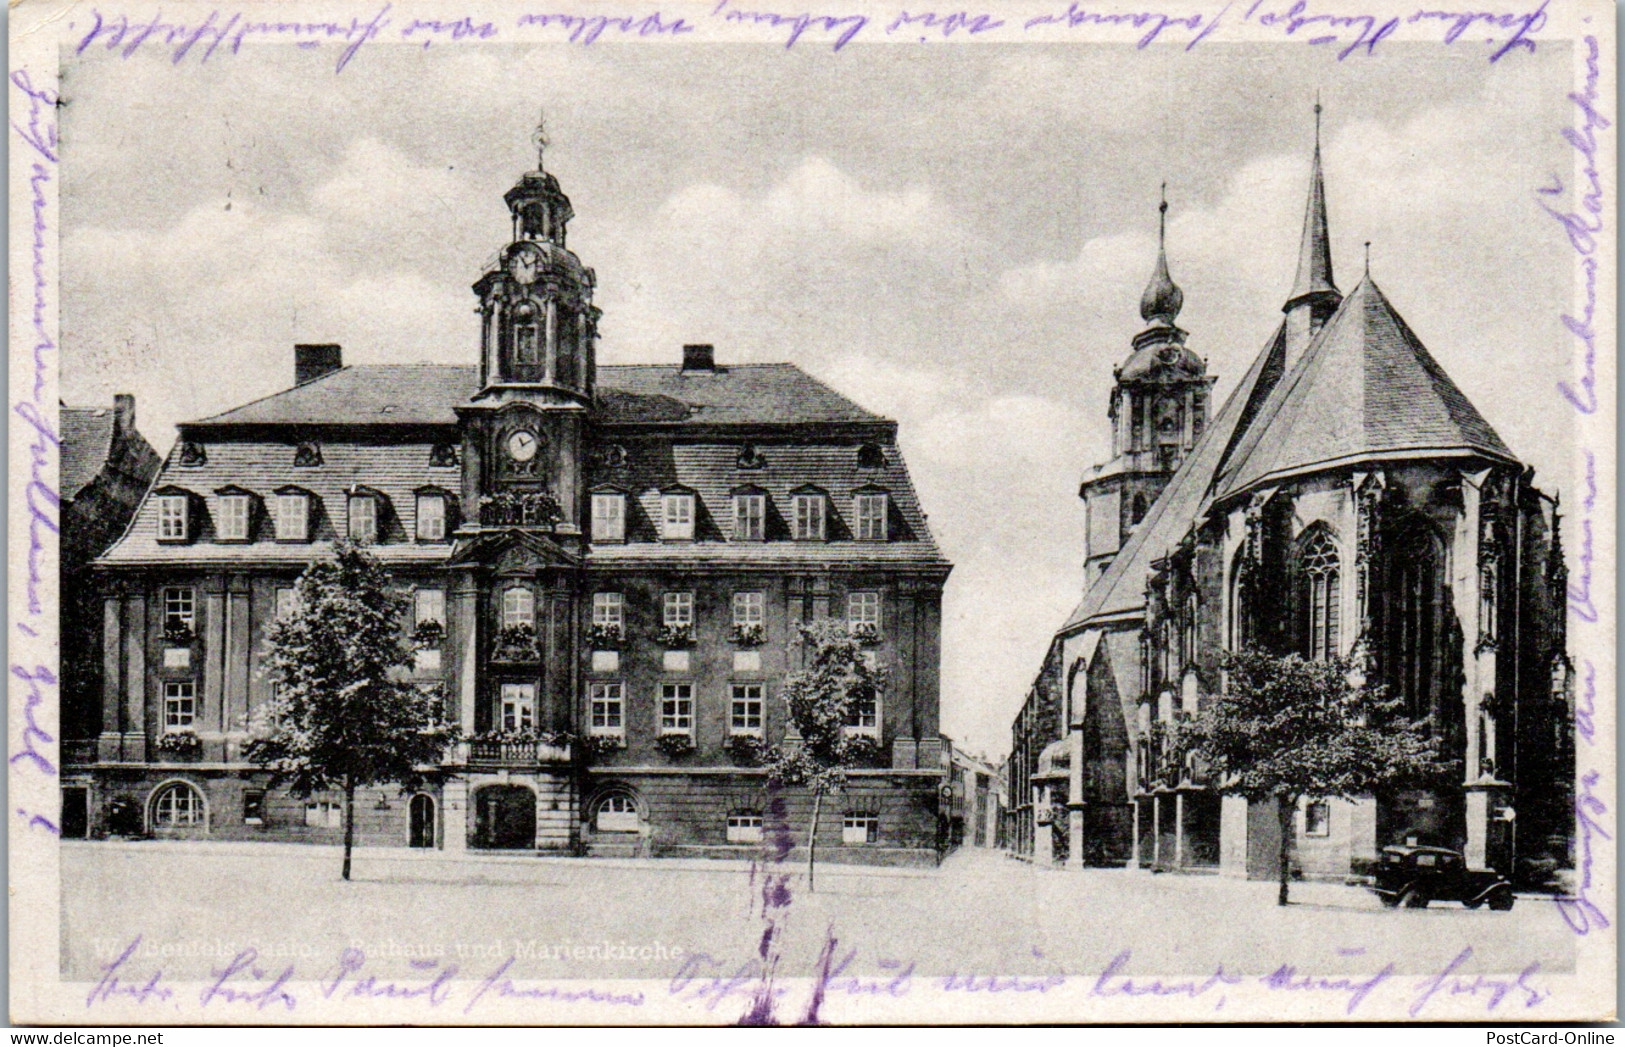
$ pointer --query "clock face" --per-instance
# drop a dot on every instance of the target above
(523, 263)
(522, 445)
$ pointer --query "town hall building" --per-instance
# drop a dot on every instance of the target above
(611, 562)
(1347, 499)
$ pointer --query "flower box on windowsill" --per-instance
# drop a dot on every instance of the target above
(675, 744)
(604, 637)
(863, 750)
(747, 750)
(516, 643)
(866, 634)
(748, 636)
(598, 745)
(180, 745)
(675, 637)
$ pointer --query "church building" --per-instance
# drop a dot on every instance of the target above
(1345, 500)
(612, 562)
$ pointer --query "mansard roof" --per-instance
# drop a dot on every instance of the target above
(640, 394)
(1121, 587)
(1366, 388)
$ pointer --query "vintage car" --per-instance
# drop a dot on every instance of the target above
(1411, 876)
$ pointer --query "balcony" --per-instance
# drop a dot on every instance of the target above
(512, 753)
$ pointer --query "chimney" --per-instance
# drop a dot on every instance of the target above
(124, 412)
(311, 362)
(699, 358)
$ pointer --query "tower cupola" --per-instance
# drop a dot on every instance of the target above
(539, 321)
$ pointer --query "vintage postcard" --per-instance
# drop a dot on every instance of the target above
(733, 512)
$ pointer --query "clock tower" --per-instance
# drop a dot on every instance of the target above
(523, 431)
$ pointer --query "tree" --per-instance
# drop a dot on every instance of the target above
(345, 715)
(822, 699)
(1286, 728)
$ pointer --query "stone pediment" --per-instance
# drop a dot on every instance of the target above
(512, 549)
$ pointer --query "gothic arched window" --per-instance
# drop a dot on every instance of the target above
(1136, 510)
(1318, 595)
(1413, 618)
(1241, 602)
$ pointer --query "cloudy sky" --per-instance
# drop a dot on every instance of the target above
(954, 236)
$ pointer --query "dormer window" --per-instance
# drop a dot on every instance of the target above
(609, 516)
(431, 516)
(292, 515)
(677, 516)
(871, 516)
(870, 456)
(750, 516)
(362, 522)
(808, 525)
(174, 517)
(233, 512)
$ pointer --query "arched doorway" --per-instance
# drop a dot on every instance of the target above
(421, 810)
(505, 818)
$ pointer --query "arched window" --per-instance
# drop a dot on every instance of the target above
(1241, 602)
(177, 806)
(1413, 616)
(1318, 595)
(1187, 640)
(617, 813)
(1137, 509)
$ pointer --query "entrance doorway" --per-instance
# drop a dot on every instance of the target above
(75, 812)
(422, 818)
(505, 818)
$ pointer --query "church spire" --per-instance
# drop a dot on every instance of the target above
(1315, 252)
(1162, 300)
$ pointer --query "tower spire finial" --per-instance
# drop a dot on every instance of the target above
(538, 138)
(1163, 299)
(1368, 258)
(1315, 252)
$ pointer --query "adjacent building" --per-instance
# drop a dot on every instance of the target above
(611, 559)
(1346, 499)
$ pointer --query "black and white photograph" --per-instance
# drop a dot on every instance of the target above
(731, 514)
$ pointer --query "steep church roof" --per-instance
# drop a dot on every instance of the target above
(1365, 388)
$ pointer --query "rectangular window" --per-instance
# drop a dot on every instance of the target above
(172, 521)
(518, 706)
(292, 517)
(863, 609)
(749, 608)
(750, 517)
(871, 513)
(527, 343)
(180, 705)
(863, 716)
(745, 712)
(679, 517)
(518, 607)
(1317, 818)
(678, 610)
(676, 708)
(744, 828)
(860, 828)
(180, 607)
(320, 815)
(253, 807)
(607, 710)
(431, 517)
(608, 609)
(429, 605)
(809, 517)
(609, 517)
(363, 524)
(232, 525)
(287, 601)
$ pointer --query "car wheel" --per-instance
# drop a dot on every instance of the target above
(1414, 898)
(1475, 903)
(1501, 899)
(1389, 901)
